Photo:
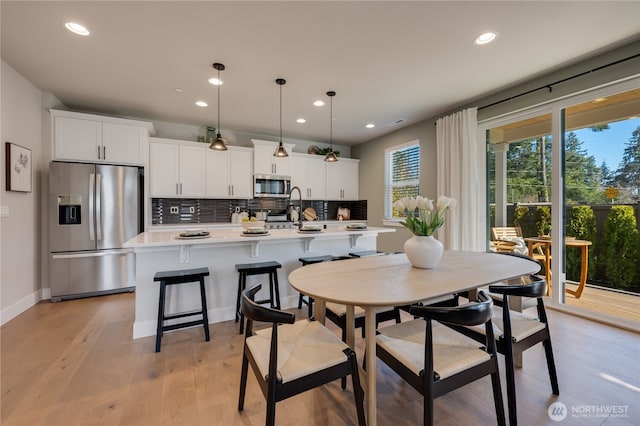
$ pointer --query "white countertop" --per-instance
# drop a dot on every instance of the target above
(219, 235)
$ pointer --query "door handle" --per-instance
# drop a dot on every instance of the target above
(98, 207)
(92, 182)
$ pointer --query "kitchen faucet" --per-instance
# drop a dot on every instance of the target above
(299, 224)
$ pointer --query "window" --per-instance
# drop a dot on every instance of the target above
(401, 176)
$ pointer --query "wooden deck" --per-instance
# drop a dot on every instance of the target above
(623, 305)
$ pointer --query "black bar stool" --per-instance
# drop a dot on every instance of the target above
(167, 278)
(309, 261)
(259, 268)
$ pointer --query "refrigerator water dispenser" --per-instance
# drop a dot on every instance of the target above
(69, 208)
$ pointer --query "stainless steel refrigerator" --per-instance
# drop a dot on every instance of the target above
(93, 210)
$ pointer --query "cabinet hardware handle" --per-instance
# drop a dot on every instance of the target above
(177, 189)
(104, 152)
(180, 188)
(99, 153)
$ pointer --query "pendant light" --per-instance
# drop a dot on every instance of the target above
(218, 144)
(331, 156)
(280, 151)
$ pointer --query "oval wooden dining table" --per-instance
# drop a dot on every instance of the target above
(379, 281)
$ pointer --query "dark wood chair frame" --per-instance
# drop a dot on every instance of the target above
(272, 388)
(506, 345)
(428, 382)
(168, 278)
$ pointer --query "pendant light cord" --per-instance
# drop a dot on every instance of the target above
(219, 84)
(281, 113)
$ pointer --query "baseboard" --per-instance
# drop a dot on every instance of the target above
(23, 304)
(148, 328)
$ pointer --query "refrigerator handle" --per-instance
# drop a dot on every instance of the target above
(92, 185)
(98, 206)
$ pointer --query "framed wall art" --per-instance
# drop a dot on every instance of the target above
(18, 167)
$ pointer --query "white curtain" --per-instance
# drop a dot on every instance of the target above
(458, 177)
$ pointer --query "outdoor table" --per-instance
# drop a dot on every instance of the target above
(569, 242)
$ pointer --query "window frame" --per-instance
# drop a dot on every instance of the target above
(388, 218)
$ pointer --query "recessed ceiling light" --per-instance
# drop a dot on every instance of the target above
(202, 104)
(301, 120)
(486, 38)
(179, 90)
(318, 103)
(77, 28)
(215, 81)
(370, 126)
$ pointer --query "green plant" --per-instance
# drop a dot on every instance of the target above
(522, 218)
(620, 246)
(325, 151)
(582, 226)
(543, 220)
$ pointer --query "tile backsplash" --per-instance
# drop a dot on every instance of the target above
(166, 211)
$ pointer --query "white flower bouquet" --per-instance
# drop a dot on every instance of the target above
(421, 217)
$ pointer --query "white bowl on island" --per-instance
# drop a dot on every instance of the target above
(253, 225)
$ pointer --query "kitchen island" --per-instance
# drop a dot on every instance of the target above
(220, 251)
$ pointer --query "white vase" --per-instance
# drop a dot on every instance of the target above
(423, 251)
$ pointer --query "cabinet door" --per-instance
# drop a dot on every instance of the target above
(163, 170)
(265, 163)
(121, 143)
(263, 160)
(350, 170)
(333, 179)
(76, 139)
(192, 171)
(218, 174)
(299, 175)
(241, 174)
(316, 178)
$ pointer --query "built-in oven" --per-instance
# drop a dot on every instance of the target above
(273, 186)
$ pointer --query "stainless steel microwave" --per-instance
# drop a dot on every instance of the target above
(272, 186)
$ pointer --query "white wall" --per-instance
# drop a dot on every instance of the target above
(20, 255)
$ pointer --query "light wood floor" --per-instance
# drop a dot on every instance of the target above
(74, 363)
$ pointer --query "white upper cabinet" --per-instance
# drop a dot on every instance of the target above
(308, 174)
(342, 179)
(176, 169)
(264, 163)
(87, 137)
(230, 173)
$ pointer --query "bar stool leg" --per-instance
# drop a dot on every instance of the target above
(205, 316)
(276, 289)
(160, 315)
(243, 285)
(239, 295)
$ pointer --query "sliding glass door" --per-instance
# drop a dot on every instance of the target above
(569, 172)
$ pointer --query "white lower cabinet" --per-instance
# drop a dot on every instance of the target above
(342, 179)
(176, 170)
(230, 173)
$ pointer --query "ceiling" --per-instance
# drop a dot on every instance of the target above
(386, 60)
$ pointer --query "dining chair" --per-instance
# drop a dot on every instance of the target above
(515, 332)
(292, 357)
(435, 359)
